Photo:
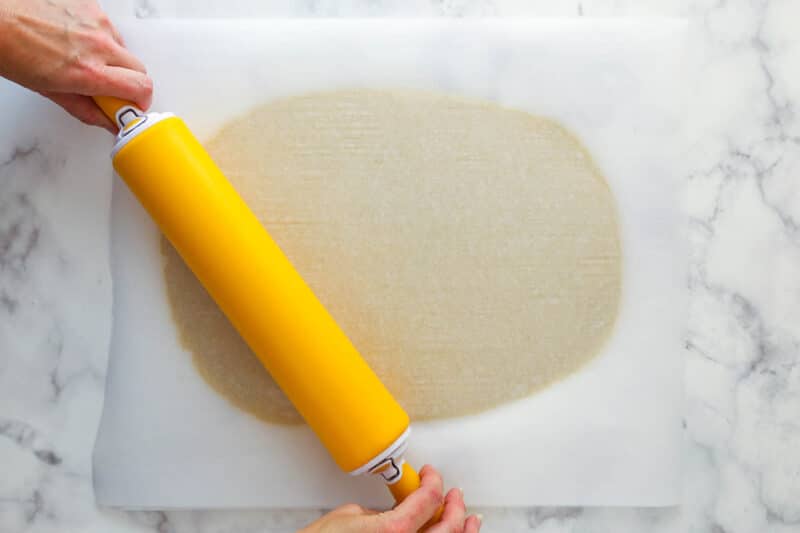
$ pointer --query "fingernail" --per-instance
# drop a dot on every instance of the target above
(480, 518)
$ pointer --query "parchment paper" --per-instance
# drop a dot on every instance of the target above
(608, 435)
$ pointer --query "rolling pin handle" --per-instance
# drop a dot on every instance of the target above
(119, 111)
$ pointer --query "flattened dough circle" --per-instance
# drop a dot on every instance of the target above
(470, 252)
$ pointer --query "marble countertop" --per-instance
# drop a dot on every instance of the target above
(743, 368)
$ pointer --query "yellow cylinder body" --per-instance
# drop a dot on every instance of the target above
(261, 293)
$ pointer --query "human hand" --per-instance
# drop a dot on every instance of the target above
(408, 517)
(68, 51)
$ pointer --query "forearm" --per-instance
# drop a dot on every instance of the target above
(11, 14)
(6, 30)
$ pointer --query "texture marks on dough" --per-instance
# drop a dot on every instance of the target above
(470, 252)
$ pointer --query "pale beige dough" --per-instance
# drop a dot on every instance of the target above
(469, 251)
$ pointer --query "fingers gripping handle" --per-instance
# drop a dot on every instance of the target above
(119, 111)
(409, 482)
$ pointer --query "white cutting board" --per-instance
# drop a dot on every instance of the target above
(609, 435)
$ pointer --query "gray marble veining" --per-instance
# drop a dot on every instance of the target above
(742, 376)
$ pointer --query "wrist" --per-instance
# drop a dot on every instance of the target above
(8, 25)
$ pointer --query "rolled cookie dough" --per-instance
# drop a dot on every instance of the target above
(470, 252)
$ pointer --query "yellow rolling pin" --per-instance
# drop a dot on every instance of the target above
(255, 285)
